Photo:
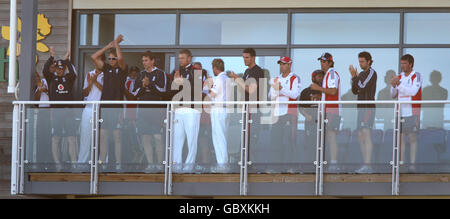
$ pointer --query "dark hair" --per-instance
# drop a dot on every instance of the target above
(149, 54)
(186, 51)
(219, 64)
(250, 51)
(367, 56)
(134, 69)
(408, 58)
(113, 51)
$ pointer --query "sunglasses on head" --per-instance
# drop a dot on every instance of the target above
(115, 58)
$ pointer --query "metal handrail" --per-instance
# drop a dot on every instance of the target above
(235, 102)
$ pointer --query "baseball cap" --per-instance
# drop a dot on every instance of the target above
(326, 57)
(60, 64)
(285, 60)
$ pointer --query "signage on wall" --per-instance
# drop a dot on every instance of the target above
(43, 31)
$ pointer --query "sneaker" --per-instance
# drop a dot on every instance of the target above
(220, 169)
(159, 168)
(188, 168)
(364, 169)
(333, 168)
(149, 169)
(412, 168)
(177, 169)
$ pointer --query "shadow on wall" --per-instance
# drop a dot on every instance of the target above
(385, 112)
(433, 114)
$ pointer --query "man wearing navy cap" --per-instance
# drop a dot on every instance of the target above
(330, 92)
(284, 87)
(60, 88)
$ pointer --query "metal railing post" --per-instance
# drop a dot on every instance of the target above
(169, 150)
(168, 160)
(396, 151)
(21, 151)
(319, 148)
(94, 148)
(15, 150)
(244, 150)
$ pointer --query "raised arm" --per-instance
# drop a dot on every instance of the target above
(117, 41)
(96, 57)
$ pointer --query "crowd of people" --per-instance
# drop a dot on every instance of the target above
(112, 79)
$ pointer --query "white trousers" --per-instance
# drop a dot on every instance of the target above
(219, 134)
(85, 136)
(186, 125)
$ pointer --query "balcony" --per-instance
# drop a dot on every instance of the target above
(86, 149)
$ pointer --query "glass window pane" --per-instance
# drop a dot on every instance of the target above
(345, 28)
(433, 65)
(137, 29)
(432, 28)
(228, 29)
(146, 29)
(385, 64)
(236, 64)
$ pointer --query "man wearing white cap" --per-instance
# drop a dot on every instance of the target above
(285, 87)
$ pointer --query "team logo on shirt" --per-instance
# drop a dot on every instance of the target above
(60, 87)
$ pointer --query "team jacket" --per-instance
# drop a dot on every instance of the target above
(290, 92)
(410, 89)
(189, 74)
(365, 85)
(332, 80)
(60, 88)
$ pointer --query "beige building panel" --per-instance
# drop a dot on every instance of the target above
(207, 4)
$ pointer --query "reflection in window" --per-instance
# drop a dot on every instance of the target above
(138, 29)
(429, 28)
(227, 29)
(346, 28)
(385, 63)
(89, 29)
(433, 65)
(236, 64)
(146, 29)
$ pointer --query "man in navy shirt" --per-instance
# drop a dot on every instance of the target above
(60, 88)
(151, 85)
(250, 84)
(113, 89)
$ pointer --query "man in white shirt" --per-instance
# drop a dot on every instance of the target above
(219, 92)
(285, 87)
(407, 86)
(92, 91)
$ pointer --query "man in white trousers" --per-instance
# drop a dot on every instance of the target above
(219, 92)
(92, 91)
(189, 82)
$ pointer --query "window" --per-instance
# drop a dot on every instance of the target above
(427, 28)
(232, 29)
(346, 28)
(138, 29)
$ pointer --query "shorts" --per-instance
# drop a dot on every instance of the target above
(410, 124)
(111, 117)
(334, 122)
(150, 121)
(63, 122)
(366, 118)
